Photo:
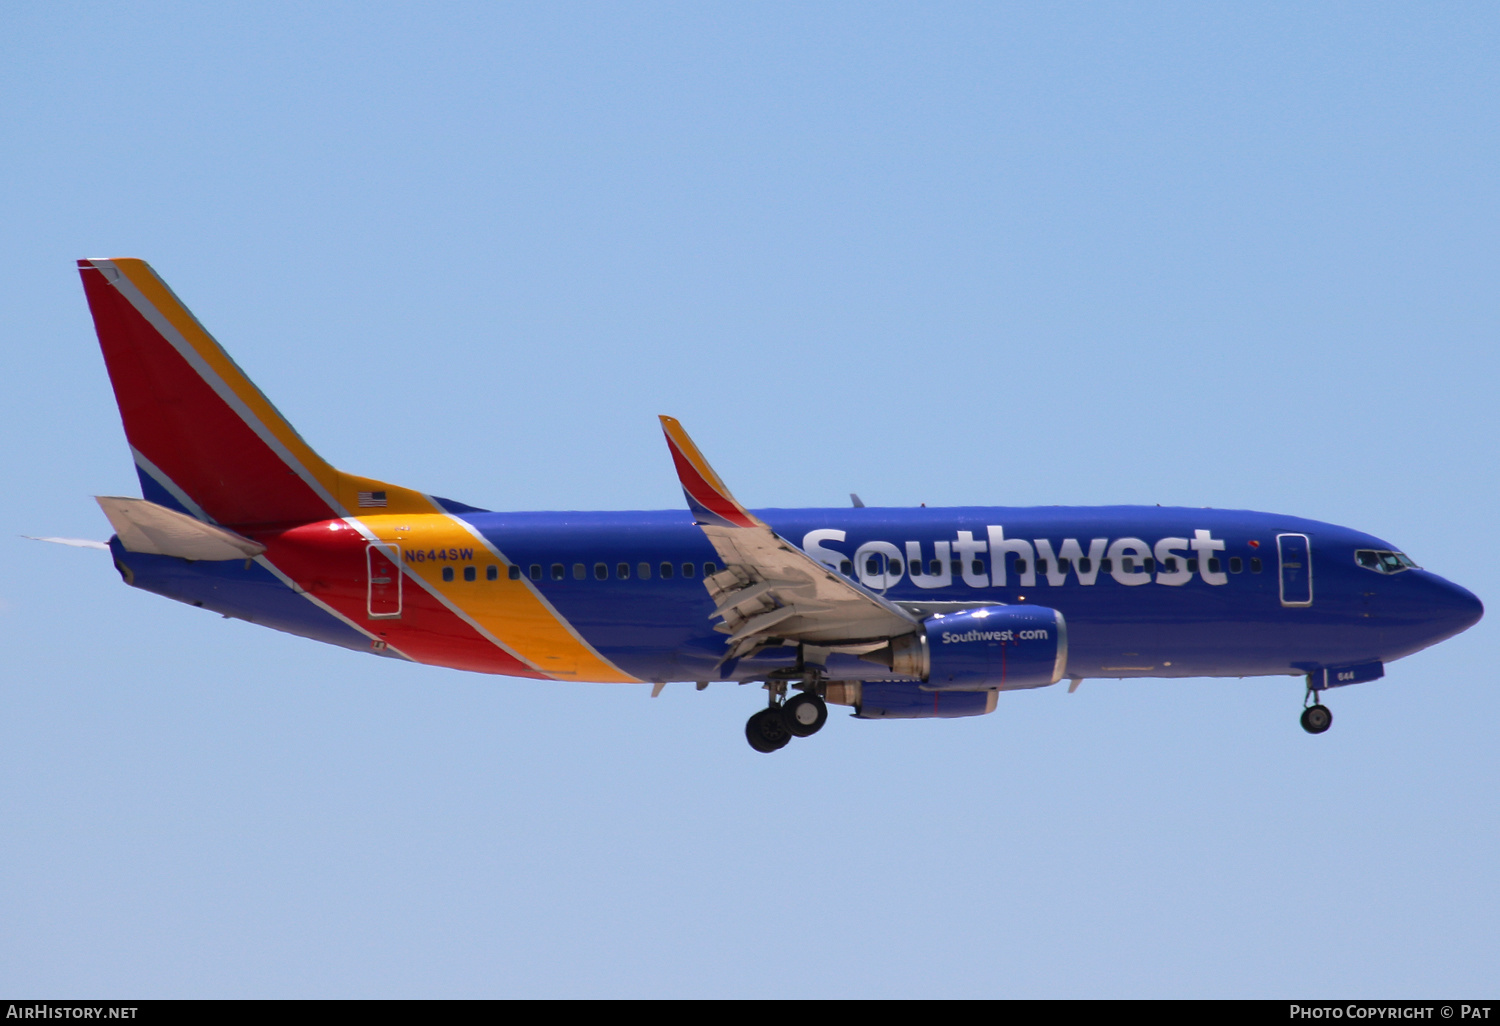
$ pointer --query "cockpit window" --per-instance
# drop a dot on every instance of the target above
(1383, 562)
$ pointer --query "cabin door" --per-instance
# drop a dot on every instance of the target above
(1295, 556)
(384, 565)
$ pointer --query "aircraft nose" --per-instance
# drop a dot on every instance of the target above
(1453, 608)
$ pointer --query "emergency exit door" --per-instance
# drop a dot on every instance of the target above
(1295, 555)
(384, 565)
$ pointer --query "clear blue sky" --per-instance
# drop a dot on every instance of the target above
(954, 254)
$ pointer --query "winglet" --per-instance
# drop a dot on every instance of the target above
(709, 500)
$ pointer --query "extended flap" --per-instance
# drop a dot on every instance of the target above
(146, 527)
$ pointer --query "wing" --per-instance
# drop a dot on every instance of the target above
(770, 591)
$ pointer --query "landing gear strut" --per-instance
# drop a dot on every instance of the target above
(1316, 717)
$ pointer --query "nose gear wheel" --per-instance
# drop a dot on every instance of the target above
(1316, 718)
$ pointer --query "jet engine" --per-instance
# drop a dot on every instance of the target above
(1003, 648)
(893, 700)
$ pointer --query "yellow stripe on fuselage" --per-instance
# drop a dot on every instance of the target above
(510, 610)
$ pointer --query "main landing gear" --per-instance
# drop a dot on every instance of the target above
(785, 718)
(1316, 717)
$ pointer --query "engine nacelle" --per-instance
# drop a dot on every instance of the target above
(892, 700)
(1002, 647)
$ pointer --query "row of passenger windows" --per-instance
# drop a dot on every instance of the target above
(559, 571)
(934, 567)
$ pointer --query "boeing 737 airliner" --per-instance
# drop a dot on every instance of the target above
(898, 613)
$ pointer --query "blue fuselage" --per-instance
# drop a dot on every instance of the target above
(1146, 591)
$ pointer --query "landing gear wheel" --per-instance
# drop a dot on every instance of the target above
(767, 730)
(1316, 719)
(805, 714)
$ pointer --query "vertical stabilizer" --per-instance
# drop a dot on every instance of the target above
(204, 437)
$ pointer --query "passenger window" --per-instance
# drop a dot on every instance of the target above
(1020, 566)
(622, 571)
(1041, 566)
(688, 569)
(643, 571)
(1150, 565)
(447, 573)
(601, 572)
(872, 566)
(514, 572)
(558, 571)
(1193, 566)
(1127, 564)
(1085, 564)
(1255, 564)
(1107, 565)
(709, 569)
(1213, 564)
(895, 568)
(536, 571)
(470, 573)
(1064, 564)
(666, 571)
(1169, 564)
(492, 572)
(1236, 564)
(958, 568)
(976, 567)
(935, 568)
(579, 571)
(846, 568)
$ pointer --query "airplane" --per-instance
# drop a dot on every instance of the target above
(896, 613)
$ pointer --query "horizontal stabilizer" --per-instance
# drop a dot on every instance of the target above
(77, 543)
(146, 527)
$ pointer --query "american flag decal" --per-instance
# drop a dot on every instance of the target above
(368, 500)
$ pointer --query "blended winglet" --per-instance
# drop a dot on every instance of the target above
(771, 592)
(706, 494)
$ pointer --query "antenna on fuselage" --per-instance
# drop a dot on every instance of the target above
(858, 502)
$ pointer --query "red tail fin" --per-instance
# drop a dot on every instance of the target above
(203, 435)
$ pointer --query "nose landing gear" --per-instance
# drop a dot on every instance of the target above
(774, 727)
(1316, 716)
